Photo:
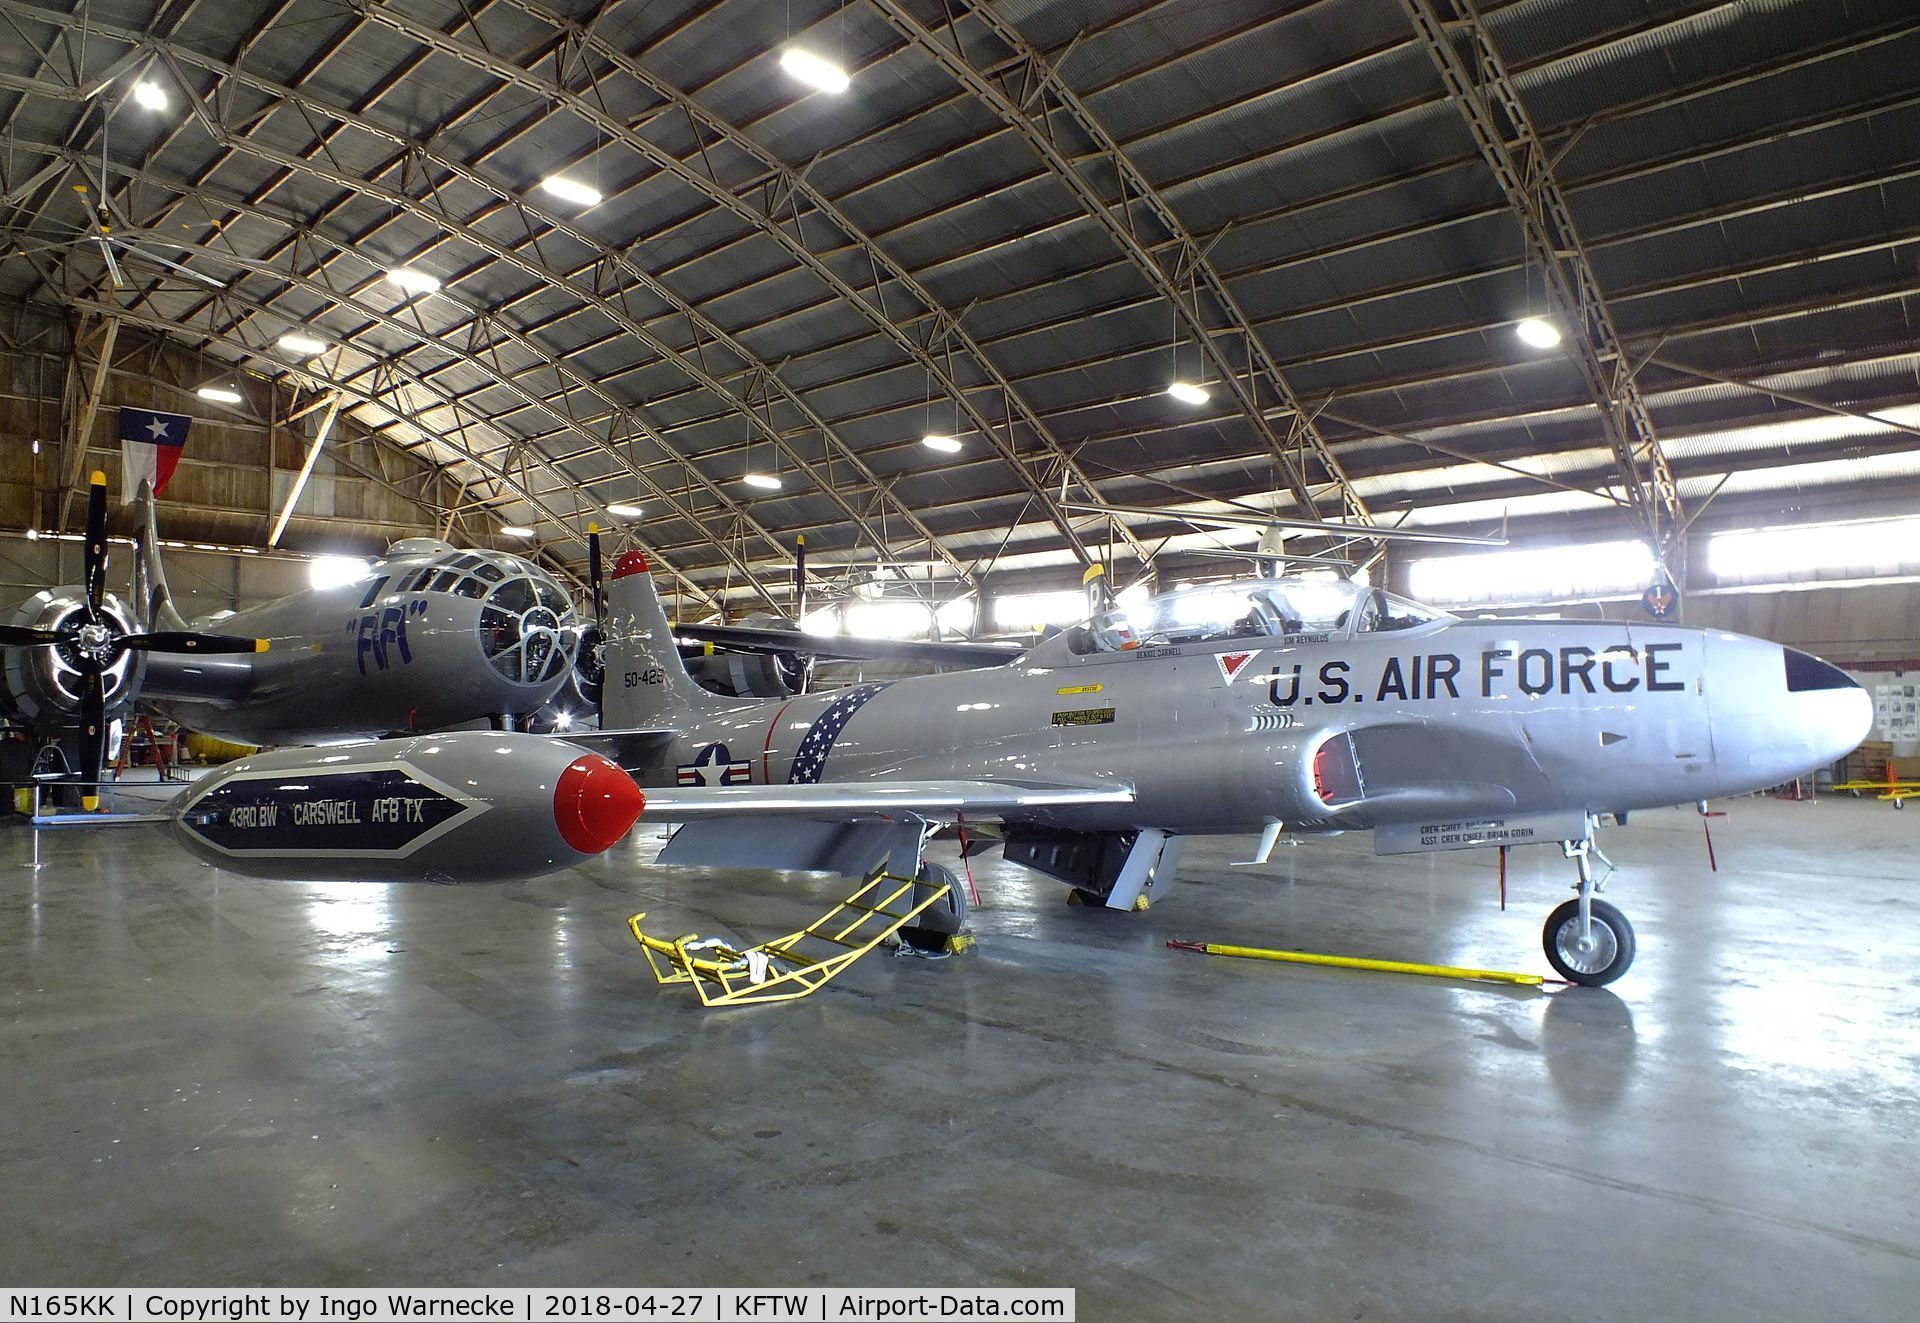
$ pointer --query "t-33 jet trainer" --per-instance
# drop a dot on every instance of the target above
(1314, 705)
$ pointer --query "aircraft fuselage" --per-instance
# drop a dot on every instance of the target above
(1447, 719)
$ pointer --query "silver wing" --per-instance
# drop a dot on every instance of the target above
(841, 828)
(876, 799)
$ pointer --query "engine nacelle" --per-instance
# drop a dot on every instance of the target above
(745, 674)
(42, 684)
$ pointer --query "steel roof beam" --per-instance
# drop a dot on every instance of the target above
(767, 216)
(389, 397)
(1040, 97)
(783, 179)
(608, 257)
(469, 356)
(1488, 100)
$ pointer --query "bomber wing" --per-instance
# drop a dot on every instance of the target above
(745, 638)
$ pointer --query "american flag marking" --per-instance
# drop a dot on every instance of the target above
(810, 759)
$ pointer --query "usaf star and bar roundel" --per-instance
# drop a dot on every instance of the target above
(714, 766)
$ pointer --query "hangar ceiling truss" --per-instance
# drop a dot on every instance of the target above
(1484, 92)
(996, 226)
(1026, 90)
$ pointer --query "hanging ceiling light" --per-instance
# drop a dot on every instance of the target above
(946, 445)
(1188, 392)
(571, 190)
(295, 343)
(219, 394)
(516, 530)
(149, 95)
(814, 70)
(1538, 332)
(413, 281)
(621, 510)
(765, 481)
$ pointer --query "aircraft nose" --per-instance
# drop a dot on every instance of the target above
(595, 803)
(1831, 702)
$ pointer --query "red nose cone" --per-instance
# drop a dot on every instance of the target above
(595, 803)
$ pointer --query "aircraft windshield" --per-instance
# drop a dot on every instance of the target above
(1272, 608)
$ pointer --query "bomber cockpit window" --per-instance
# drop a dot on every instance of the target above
(489, 571)
(444, 581)
(470, 587)
(373, 592)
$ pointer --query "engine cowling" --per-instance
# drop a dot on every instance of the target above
(42, 684)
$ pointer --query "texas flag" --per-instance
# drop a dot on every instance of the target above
(150, 445)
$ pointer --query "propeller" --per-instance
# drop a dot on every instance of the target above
(798, 670)
(93, 648)
(589, 665)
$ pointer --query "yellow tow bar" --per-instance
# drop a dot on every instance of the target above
(1361, 962)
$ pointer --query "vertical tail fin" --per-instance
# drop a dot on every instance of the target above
(152, 602)
(646, 685)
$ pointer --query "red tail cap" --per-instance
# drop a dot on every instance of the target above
(595, 803)
(630, 562)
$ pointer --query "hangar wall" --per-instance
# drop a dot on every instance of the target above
(240, 461)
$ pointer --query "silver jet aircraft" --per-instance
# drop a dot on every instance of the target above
(1311, 705)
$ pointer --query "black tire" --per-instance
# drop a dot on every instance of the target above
(941, 920)
(1613, 938)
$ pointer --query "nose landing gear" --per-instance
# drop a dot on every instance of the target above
(1586, 940)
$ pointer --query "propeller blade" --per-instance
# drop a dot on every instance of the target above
(593, 577)
(803, 677)
(96, 542)
(93, 735)
(21, 636)
(800, 578)
(1099, 592)
(180, 640)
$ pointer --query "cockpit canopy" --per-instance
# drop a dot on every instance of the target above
(1248, 609)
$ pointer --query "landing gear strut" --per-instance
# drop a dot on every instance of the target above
(1587, 941)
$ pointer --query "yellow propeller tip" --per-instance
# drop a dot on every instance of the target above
(261, 645)
(593, 528)
(1093, 572)
(98, 479)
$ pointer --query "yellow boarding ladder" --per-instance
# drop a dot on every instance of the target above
(780, 970)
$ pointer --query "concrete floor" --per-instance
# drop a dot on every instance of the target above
(211, 1081)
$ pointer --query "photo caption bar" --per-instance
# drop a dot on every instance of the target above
(878, 1304)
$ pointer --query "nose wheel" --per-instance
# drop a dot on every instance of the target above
(1587, 941)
